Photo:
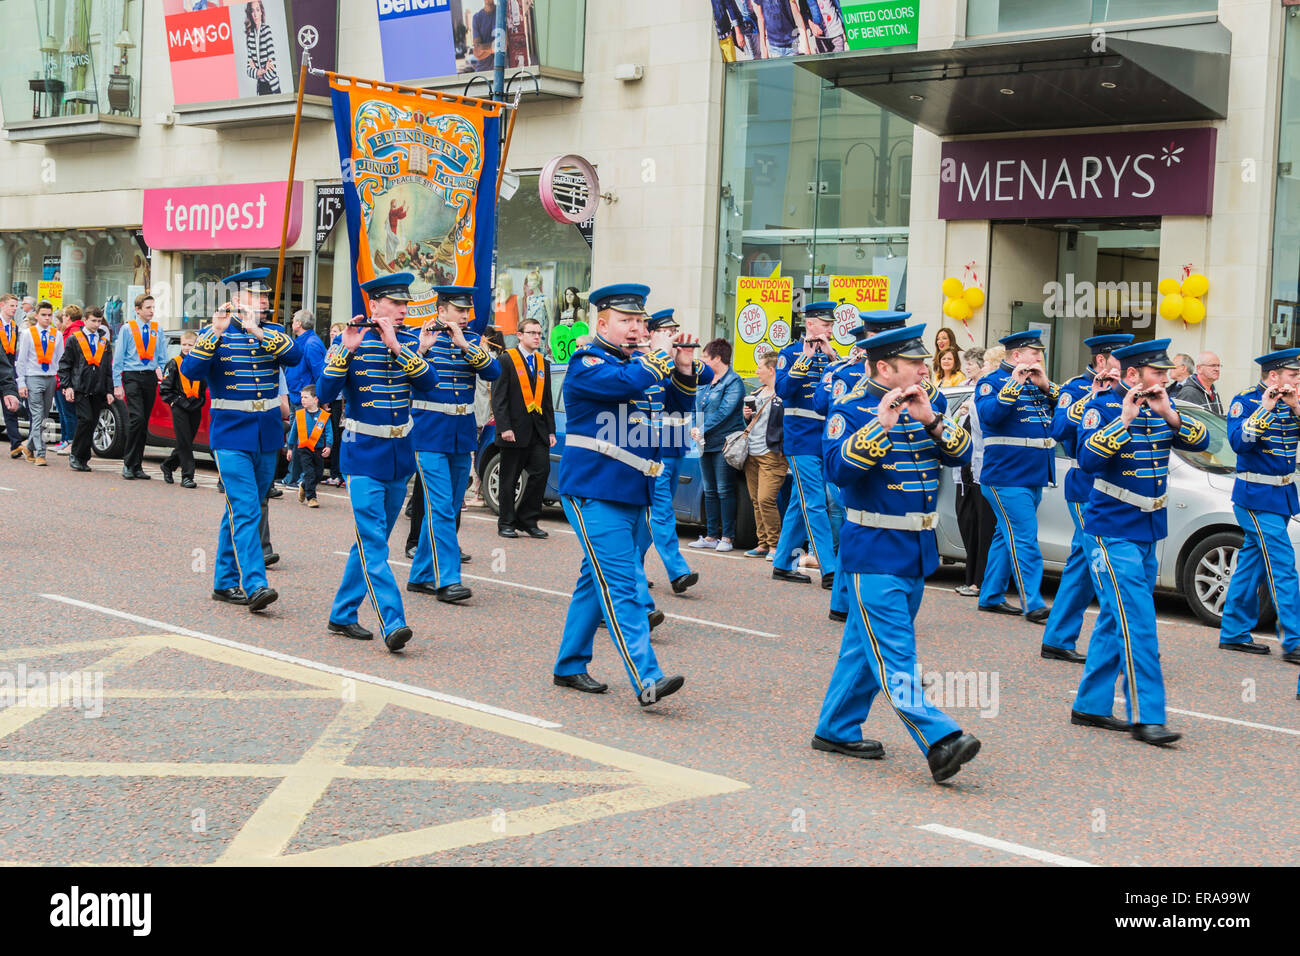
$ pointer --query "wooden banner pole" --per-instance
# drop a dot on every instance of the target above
(288, 188)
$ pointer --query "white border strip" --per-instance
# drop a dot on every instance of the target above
(164, 627)
(1019, 849)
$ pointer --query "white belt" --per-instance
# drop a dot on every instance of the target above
(610, 450)
(1141, 502)
(660, 420)
(803, 413)
(1259, 479)
(912, 521)
(444, 407)
(378, 431)
(1021, 442)
(246, 405)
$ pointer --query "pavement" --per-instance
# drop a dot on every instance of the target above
(184, 731)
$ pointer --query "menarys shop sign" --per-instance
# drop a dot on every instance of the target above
(1167, 172)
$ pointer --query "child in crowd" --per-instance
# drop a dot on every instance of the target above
(186, 399)
(311, 440)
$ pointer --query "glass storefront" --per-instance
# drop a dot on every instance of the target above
(103, 267)
(70, 57)
(814, 179)
(984, 17)
(1283, 331)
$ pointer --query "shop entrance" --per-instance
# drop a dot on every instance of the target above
(1072, 280)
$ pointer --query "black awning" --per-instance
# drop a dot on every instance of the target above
(1171, 74)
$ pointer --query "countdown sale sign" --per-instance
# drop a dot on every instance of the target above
(854, 294)
(764, 310)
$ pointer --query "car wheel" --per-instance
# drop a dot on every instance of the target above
(109, 439)
(1206, 575)
(491, 485)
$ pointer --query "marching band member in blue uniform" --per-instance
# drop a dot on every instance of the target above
(885, 444)
(444, 436)
(376, 369)
(1263, 428)
(1076, 592)
(799, 370)
(240, 360)
(670, 431)
(1124, 442)
(606, 484)
(1015, 403)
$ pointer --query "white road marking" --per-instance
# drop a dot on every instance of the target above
(471, 517)
(315, 665)
(1019, 849)
(1227, 720)
(8, 489)
(567, 595)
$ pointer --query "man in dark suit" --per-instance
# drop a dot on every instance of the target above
(86, 373)
(525, 424)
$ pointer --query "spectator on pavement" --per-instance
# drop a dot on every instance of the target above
(947, 368)
(309, 443)
(186, 398)
(718, 411)
(40, 350)
(11, 329)
(975, 520)
(307, 372)
(1183, 367)
(86, 373)
(766, 467)
(1199, 389)
(944, 340)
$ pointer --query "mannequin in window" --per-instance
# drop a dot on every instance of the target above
(535, 296)
(507, 308)
(569, 309)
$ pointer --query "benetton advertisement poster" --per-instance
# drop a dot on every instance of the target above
(419, 189)
(1166, 172)
(767, 29)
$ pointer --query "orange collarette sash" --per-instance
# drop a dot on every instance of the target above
(190, 388)
(309, 441)
(44, 356)
(145, 356)
(92, 358)
(532, 391)
(9, 337)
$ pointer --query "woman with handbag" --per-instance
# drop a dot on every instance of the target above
(717, 409)
(765, 466)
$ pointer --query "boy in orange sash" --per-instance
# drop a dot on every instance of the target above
(186, 398)
(86, 371)
(40, 349)
(310, 440)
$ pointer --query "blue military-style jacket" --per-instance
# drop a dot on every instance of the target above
(797, 379)
(237, 367)
(887, 473)
(1018, 413)
(601, 391)
(377, 387)
(457, 370)
(1065, 429)
(671, 429)
(1265, 443)
(1133, 458)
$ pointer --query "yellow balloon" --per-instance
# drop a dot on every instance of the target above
(1169, 286)
(961, 310)
(952, 287)
(1193, 310)
(974, 297)
(1195, 285)
(947, 307)
(1171, 306)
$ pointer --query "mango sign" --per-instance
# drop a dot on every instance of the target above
(854, 294)
(763, 318)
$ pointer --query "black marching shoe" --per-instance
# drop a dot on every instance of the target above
(660, 689)
(397, 640)
(828, 581)
(354, 631)
(139, 474)
(583, 682)
(275, 492)
(780, 575)
(128, 474)
(167, 474)
(464, 558)
(687, 580)
(1006, 607)
(655, 618)
(1245, 647)
(1104, 721)
(1157, 734)
(78, 465)
(507, 533)
(1049, 653)
(946, 757)
(838, 615)
(189, 483)
(410, 553)
(230, 596)
(535, 532)
(261, 598)
(865, 749)
(1292, 657)
(1038, 616)
(454, 594)
(422, 587)
(269, 558)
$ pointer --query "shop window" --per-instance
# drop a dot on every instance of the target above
(1283, 331)
(984, 17)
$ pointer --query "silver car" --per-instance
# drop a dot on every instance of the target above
(1195, 560)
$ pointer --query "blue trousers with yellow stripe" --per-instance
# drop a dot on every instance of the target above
(608, 587)
(1124, 639)
(1014, 553)
(375, 507)
(878, 652)
(806, 514)
(437, 556)
(1267, 553)
(247, 477)
(663, 519)
(1075, 592)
